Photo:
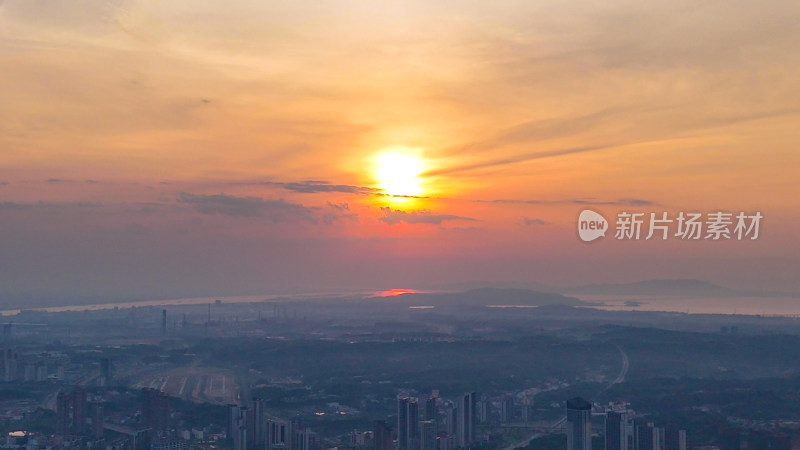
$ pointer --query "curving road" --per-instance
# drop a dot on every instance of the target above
(626, 364)
(623, 372)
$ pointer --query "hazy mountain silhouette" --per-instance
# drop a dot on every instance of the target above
(491, 296)
(670, 288)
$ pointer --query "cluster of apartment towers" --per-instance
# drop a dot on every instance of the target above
(420, 431)
(623, 431)
(78, 417)
(249, 428)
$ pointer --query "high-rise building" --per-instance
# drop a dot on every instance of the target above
(466, 420)
(402, 422)
(506, 409)
(432, 412)
(646, 436)
(41, 372)
(232, 418)
(451, 420)
(407, 423)
(526, 411)
(674, 439)
(763, 439)
(241, 433)
(304, 440)
(427, 435)
(79, 410)
(482, 409)
(616, 431)
(10, 363)
(28, 372)
(240, 438)
(431, 409)
(360, 440)
(258, 407)
(781, 441)
(169, 444)
(413, 424)
(445, 441)
(140, 440)
(63, 406)
(658, 438)
(730, 439)
(579, 424)
(383, 436)
(106, 369)
(250, 424)
(155, 410)
(279, 435)
(98, 422)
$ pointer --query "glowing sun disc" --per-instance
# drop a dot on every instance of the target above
(398, 173)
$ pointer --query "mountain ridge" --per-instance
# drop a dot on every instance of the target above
(669, 287)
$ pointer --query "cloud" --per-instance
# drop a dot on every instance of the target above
(16, 206)
(339, 206)
(544, 129)
(684, 125)
(146, 207)
(645, 125)
(404, 196)
(530, 222)
(621, 201)
(339, 211)
(315, 186)
(462, 229)
(331, 218)
(519, 158)
(636, 201)
(3, 183)
(277, 210)
(395, 216)
(64, 180)
(575, 201)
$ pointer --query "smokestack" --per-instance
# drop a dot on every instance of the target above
(164, 322)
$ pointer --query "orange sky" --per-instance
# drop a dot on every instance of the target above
(152, 148)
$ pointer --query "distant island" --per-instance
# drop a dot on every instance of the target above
(669, 288)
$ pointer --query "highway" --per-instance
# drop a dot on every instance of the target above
(623, 372)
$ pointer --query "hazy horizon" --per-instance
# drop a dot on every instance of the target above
(176, 149)
(675, 295)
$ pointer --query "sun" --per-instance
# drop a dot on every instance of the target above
(398, 171)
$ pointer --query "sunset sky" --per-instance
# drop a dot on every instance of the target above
(154, 149)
